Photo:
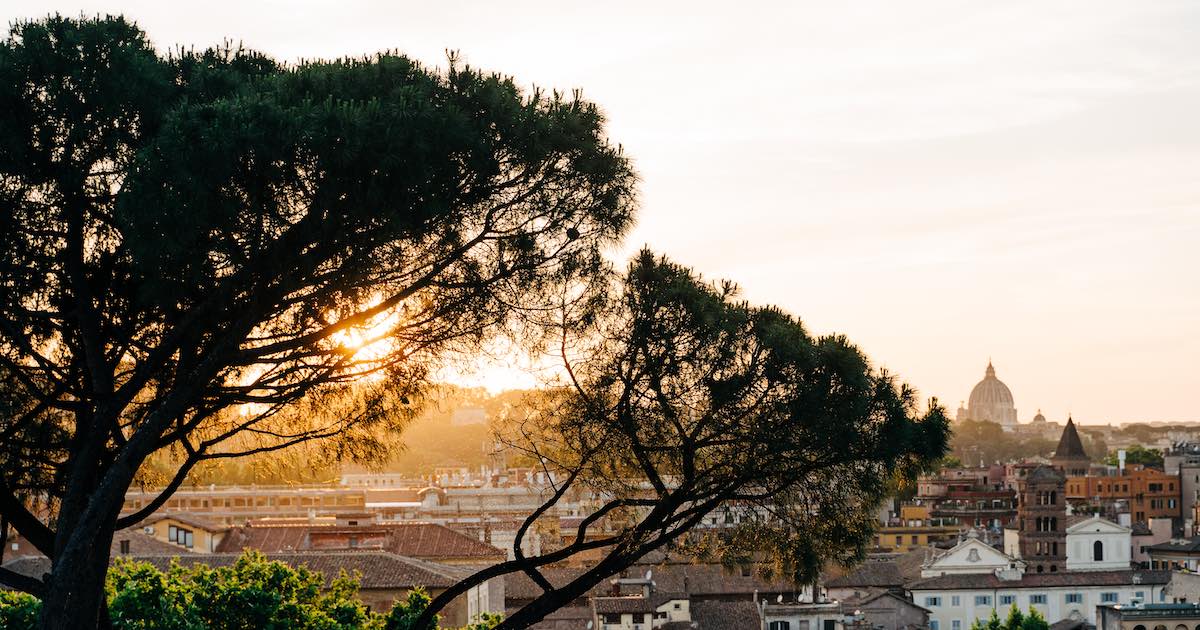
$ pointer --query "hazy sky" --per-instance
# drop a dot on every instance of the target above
(942, 181)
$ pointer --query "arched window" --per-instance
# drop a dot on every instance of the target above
(1053, 524)
(1098, 551)
(1053, 497)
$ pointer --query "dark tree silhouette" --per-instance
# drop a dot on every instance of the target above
(687, 402)
(203, 252)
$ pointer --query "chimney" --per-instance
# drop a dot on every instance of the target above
(1121, 461)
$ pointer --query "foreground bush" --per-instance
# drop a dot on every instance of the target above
(253, 593)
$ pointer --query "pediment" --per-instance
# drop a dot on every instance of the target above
(1097, 525)
(971, 552)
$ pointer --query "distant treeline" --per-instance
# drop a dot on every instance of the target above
(432, 441)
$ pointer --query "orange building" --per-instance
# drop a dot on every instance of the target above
(1149, 492)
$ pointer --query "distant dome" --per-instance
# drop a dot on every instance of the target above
(991, 400)
(1039, 417)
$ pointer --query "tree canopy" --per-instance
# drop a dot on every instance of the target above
(685, 402)
(1016, 620)
(253, 592)
(215, 254)
(1138, 454)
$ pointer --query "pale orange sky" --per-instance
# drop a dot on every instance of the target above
(941, 181)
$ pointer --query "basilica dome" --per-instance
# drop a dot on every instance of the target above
(991, 400)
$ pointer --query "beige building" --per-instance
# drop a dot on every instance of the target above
(186, 531)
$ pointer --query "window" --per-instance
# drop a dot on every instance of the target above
(956, 625)
(914, 539)
(983, 600)
(172, 533)
(933, 624)
(187, 541)
(1037, 599)
(933, 601)
(1098, 551)
(1074, 598)
(899, 540)
(610, 618)
(780, 625)
(1140, 595)
(678, 605)
(1008, 600)
(125, 547)
(1108, 598)
(955, 601)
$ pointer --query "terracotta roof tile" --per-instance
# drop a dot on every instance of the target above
(697, 580)
(187, 519)
(377, 569)
(872, 573)
(720, 615)
(567, 618)
(416, 540)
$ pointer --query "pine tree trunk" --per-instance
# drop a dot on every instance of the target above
(75, 597)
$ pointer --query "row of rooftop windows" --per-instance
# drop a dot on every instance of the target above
(260, 501)
(1108, 597)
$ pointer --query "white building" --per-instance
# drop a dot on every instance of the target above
(970, 556)
(955, 601)
(802, 616)
(1098, 544)
(636, 605)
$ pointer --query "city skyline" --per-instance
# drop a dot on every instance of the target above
(941, 184)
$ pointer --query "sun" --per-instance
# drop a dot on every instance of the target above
(373, 340)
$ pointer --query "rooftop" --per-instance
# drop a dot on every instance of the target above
(1178, 545)
(979, 581)
(1069, 445)
(416, 540)
(1157, 611)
